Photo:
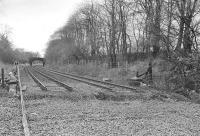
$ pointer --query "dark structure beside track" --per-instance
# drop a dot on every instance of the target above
(32, 59)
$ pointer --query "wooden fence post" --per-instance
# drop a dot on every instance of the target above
(2, 78)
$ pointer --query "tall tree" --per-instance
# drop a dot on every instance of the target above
(186, 11)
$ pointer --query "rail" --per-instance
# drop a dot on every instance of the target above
(81, 80)
(37, 81)
(68, 87)
(23, 109)
(94, 80)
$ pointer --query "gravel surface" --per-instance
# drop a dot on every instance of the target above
(63, 113)
(10, 115)
(57, 117)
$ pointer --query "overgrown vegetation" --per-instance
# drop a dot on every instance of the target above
(8, 55)
(122, 31)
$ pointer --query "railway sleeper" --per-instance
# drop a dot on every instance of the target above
(39, 83)
(99, 81)
(81, 80)
(69, 88)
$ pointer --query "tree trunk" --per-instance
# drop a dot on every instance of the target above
(123, 30)
(187, 41)
(170, 4)
(156, 31)
(180, 36)
(113, 39)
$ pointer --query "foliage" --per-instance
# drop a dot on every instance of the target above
(6, 52)
(185, 73)
(121, 27)
(130, 30)
(9, 55)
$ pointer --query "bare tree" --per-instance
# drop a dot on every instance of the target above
(186, 11)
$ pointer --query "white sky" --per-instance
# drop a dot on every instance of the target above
(33, 21)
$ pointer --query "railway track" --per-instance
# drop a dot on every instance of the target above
(40, 84)
(45, 113)
(24, 113)
(26, 98)
(45, 73)
(88, 80)
(23, 109)
(33, 97)
(60, 83)
(34, 74)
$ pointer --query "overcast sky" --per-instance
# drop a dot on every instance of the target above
(33, 21)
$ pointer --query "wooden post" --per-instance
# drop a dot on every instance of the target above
(2, 78)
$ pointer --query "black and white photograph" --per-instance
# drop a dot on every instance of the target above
(99, 67)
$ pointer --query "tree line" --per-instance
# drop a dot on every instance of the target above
(113, 28)
(9, 55)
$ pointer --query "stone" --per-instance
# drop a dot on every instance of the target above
(194, 96)
(107, 80)
(11, 90)
(100, 96)
(24, 88)
(32, 116)
(135, 81)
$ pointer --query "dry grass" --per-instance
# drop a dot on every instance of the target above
(89, 69)
(121, 74)
(161, 70)
(7, 67)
